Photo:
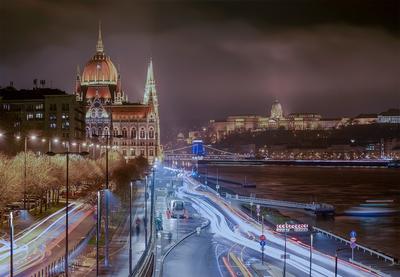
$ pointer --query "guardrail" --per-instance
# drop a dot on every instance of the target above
(56, 268)
(358, 246)
(203, 226)
(315, 207)
(145, 265)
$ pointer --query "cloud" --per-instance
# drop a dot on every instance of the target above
(211, 60)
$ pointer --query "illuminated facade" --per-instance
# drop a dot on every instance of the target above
(133, 127)
(218, 129)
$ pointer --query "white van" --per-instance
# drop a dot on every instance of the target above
(177, 208)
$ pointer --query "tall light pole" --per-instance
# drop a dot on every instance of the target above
(98, 226)
(107, 192)
(130, 227)
(336, 259)
(11, 223)
(67, 153)
(311, 247)
(152, 201)
(146, 222)
(284, 256)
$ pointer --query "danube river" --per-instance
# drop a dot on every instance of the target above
(341, 187)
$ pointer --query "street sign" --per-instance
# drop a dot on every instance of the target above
(353, 234)
(262, 243)
(353, 245)
(258, 208)
(353, 239)
(295, 227)
(217, 186)
(262, 237)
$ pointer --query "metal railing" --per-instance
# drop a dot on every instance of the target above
(315, 207)
(358, 246)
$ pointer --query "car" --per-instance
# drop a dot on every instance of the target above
(177, 208)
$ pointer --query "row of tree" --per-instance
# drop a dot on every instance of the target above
(46, 177)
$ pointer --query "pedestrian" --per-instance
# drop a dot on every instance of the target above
(137, 222)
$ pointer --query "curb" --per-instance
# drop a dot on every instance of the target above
(178, 242)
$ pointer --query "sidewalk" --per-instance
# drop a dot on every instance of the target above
(119, 246)
(173, 229)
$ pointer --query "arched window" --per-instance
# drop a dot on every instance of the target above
(115, 132)
(94, 131)
(133, 133)
(142, 133)
(106, 132)
(100, 132)
(151, 133)
(87, 132)
(124, 133)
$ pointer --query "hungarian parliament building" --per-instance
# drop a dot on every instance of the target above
(133, 128)
(218, 129)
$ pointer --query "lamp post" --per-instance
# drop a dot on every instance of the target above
(336, 259)
(284, 256)
(67, 153)
(311, 247)
(145, 211)
(106, 248)
(11, 223)
(98, 226)
(152, 200)
(25, 167)
(130, 227)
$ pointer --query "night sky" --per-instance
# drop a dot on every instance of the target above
(216, 58)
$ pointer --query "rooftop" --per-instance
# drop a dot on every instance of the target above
(391, 112)
(11, 93)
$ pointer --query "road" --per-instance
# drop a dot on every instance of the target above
(235, 235)
(43, 243)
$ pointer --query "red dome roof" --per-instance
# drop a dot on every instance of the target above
(100, 69)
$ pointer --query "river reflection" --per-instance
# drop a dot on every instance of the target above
(341, 187)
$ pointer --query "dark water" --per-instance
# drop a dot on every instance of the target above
(341, 187)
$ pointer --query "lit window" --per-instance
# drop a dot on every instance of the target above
(39, 107)
(151, 133)
(142, 133)
(53, 125)
(39, 115)
(65, 125)
(29, 116)
(151, 152)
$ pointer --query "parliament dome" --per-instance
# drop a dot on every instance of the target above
(100, 70)
(276, 110)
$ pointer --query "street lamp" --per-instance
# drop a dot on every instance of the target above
(33, 137)
(98, 226)
(106, 249)
(311, 247)
(11, 223)
(67, 153)
(130, 226)
(336, 259)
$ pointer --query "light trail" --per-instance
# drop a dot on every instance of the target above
(220, 225)
(31, 243)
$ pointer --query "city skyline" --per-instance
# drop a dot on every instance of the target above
(347, 64)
